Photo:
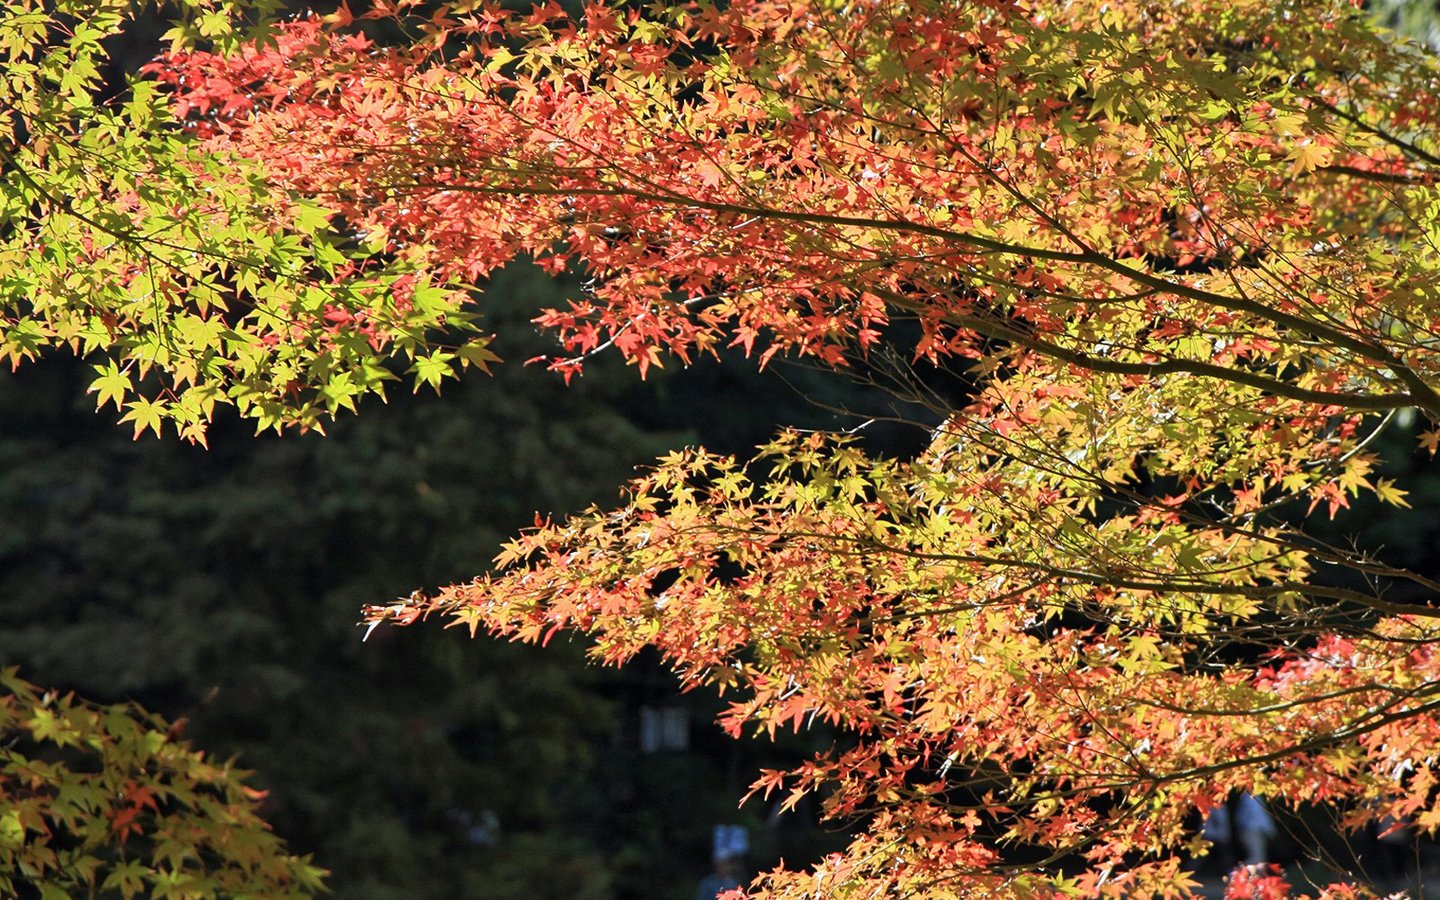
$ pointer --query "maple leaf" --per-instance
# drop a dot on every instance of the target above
(1308, 157)
(111, 384)
(146, 414)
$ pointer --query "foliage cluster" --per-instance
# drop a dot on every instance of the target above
(102, 798)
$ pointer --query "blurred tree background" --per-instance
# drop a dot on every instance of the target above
(1417, 19)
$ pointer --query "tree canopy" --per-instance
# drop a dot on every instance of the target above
(1182, 259)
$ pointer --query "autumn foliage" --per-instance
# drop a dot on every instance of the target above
(107, 801)
(1185, 257)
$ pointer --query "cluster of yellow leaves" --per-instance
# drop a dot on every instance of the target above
(190, 279)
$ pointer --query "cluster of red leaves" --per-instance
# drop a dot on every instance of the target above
(708, 207)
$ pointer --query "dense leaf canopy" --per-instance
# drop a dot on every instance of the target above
(1183, 258)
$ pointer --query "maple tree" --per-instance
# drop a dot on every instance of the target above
(1184, 258)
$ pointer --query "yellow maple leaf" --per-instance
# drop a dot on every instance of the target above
(1308, 157)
